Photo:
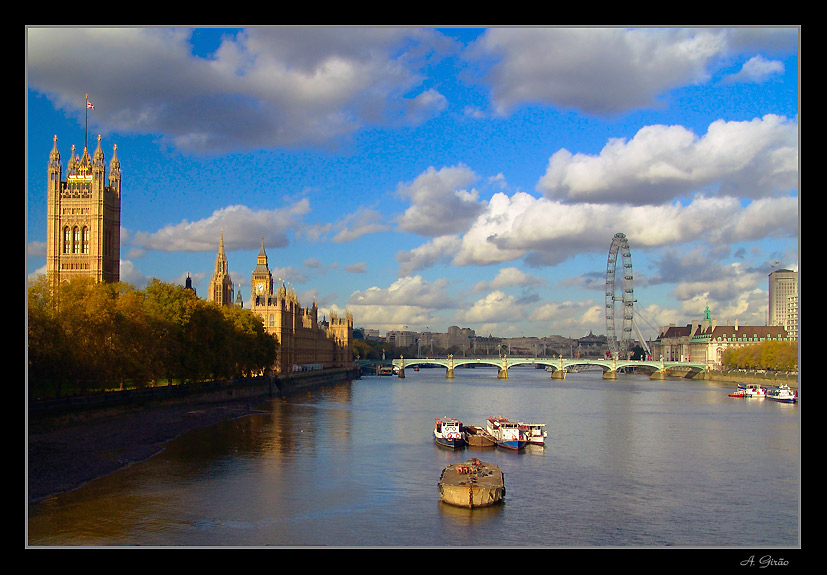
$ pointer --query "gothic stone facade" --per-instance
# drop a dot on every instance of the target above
(302, 340)
(221, 285)
(84, 217)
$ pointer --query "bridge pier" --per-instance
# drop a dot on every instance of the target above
(610, 374)
(449, 373)
(660, 374)
(559, 374)
(402, 368)
(503, 373)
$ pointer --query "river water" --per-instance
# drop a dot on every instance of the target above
(628, 462)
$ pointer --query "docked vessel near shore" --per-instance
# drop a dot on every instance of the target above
(535, 433)
(506, 433)
(783, 393)
(477, 437)
(472, 483)
(749, 390)
(448, 432)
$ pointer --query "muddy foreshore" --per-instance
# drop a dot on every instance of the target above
(63, 454)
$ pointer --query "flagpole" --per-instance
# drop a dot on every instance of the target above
(86, 126)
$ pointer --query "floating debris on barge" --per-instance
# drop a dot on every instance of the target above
(472, 483)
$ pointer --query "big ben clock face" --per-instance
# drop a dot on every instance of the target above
(260, 287)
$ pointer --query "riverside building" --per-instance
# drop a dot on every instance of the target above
(84, 217)
(706, 341)
(303, 342)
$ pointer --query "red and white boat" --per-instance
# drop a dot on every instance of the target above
(507, 434)
(749, 390)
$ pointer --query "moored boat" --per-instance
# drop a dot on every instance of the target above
(472, 483)
(477, 437)
(739, 392)
(755, 390)
(448, 433)
(535, 433)
(749, 390)
(783, 393)
(507, 434)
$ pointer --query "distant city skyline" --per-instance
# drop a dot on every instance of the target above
(429, 177)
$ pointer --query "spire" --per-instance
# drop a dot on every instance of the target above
(261, 260)
(115, 164)
(221, 258)
(54, 156)
(98, 157)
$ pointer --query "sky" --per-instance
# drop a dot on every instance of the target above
(422, 178)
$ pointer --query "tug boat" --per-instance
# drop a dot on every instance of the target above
(472, 483)
(507, 434)
(448, 432)
(783, 393)
(535, 433)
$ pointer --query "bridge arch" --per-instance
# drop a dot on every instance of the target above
(657, 369)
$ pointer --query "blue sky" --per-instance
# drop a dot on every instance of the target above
(429, 177)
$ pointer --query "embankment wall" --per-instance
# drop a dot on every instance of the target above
(259, 387)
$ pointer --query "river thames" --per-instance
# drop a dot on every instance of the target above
(629, 462)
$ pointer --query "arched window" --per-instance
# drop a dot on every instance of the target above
(272, 320)
(85, 240)
(75, 240)
(67, 240)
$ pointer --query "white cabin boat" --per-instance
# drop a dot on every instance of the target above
(535, 433)
(783, 393)
(448, 432)
(749, 390)
(507, 434)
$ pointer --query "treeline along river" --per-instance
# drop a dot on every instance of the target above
(628, 462)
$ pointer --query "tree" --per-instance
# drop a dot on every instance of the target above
(86, 336)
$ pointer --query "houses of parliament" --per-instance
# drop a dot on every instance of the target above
(83, 229)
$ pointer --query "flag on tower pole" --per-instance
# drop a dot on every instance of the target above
(89, 106)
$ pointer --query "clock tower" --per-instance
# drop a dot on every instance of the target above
(261, 284)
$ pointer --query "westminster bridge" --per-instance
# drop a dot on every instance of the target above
(657, 369)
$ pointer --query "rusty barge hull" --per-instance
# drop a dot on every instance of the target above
(477, 437)
(472, 483)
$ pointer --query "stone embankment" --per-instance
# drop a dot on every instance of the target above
(766, 379)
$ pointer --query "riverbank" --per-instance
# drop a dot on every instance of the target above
(65, 454)
(71, 444)
(760, 379)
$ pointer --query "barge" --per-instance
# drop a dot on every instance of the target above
(477, 437)
(471, 484)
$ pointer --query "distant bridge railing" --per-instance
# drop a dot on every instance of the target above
(657, 369)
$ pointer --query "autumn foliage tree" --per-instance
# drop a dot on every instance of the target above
(86, 336)
(770, 355)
